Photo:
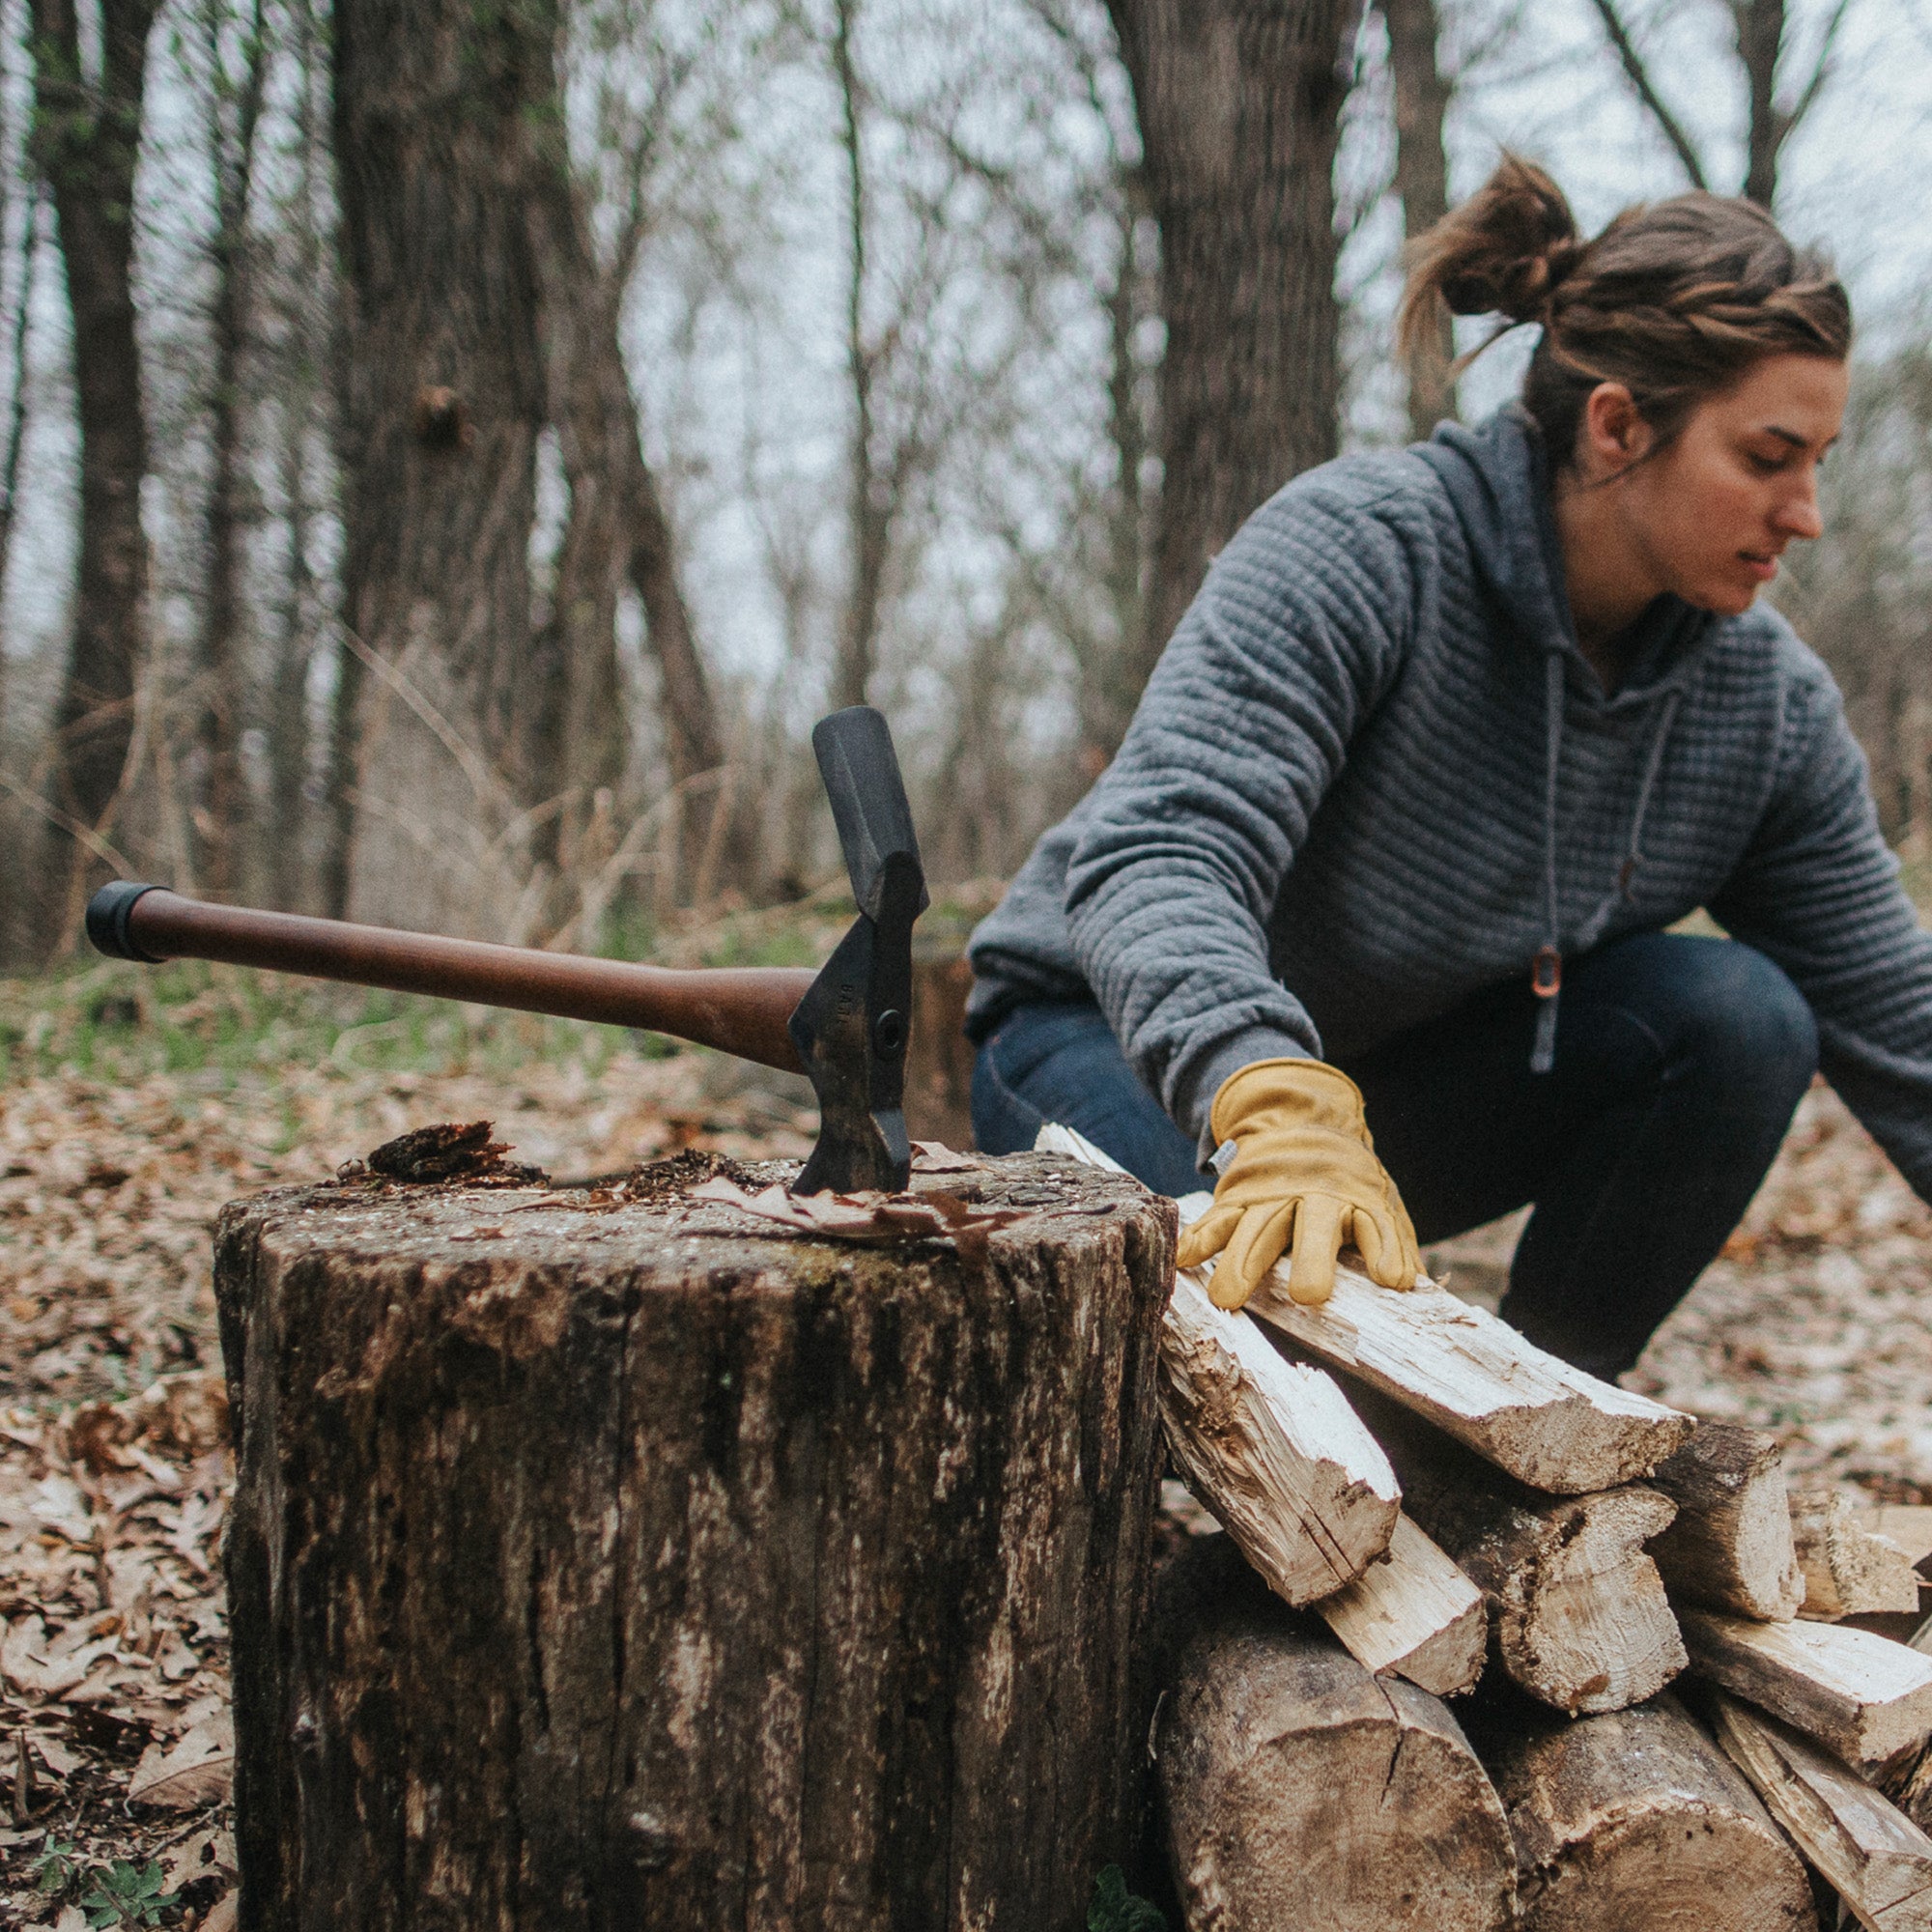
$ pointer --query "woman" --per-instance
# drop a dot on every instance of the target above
(1455, 730)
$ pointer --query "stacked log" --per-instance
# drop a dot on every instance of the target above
(1615, 1546)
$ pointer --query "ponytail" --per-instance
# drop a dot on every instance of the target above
(1675, 301)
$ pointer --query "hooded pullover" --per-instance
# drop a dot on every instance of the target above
(1373, 773)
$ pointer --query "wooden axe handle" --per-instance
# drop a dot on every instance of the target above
(740, 1010)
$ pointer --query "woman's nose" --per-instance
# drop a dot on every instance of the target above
(1797, 516)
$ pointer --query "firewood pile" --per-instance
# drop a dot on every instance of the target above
(1665, 1718)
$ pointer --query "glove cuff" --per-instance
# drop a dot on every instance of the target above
(1259, 1083)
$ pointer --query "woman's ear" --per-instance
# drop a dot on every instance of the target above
(1612, 435)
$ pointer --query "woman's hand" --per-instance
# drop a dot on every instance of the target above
(1304, 1171)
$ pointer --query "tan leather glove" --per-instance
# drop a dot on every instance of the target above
(1304, 1168)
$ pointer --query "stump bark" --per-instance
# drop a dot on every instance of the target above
(605, 1557)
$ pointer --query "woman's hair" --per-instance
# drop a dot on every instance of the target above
(1674, 301)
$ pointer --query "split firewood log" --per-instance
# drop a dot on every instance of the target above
(1473, 1377)
(1879, 1861)
(1636, 1819)
(1861, 1696)
(1415, 1613)
(1730, 1548)
(1272, 1450)
(1300, 1791)
(1848, 1572)
(1578, 1613)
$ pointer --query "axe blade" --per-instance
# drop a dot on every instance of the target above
(852, 1027)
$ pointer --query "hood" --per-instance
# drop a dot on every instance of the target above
(1497, 474)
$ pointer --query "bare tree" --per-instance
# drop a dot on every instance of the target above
(1238, 103)
(302, 297)
(440, 419)
(14, 438)
(86, 138)
(1762, 33)
(1422, 95)
(233, 112)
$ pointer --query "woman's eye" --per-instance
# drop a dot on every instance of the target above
(1765, 466)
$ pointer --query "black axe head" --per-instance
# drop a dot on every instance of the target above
(852, 1027)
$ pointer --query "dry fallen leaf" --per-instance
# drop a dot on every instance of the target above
(198, 1771)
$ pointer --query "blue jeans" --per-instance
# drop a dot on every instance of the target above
(1679, 1061)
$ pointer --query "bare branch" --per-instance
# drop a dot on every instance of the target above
(1638, 76)
(1821, 71)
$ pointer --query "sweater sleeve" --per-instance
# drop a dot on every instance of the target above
(1818, 891)
(1290, 643)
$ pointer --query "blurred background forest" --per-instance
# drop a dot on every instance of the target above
(450, 452)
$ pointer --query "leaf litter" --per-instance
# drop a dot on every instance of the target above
(116, 1737)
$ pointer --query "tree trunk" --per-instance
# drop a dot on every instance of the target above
(14, 439)
(233, 153)
(87, 137)
(1422, 181)
(617, 526)
(1238, 103)
(442, 413)
(612, 1559)
(1302, 1792)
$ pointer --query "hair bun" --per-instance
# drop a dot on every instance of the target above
(1502, 252)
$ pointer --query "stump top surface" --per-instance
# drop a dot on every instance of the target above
(650, 1217)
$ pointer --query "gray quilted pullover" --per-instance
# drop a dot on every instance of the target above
(1373, 773)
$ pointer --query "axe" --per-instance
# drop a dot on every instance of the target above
(845, 1028)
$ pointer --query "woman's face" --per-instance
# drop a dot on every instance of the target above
(1708, 516)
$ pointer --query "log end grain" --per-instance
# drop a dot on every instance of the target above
(1415, 1613)
(1301, 1790)
(1731, 1547)
(1635, 1818)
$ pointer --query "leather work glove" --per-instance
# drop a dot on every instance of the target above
(1304, 1168)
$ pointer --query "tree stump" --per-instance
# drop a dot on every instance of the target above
(608, 1557)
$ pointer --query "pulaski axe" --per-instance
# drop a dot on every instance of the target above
(845, 1028)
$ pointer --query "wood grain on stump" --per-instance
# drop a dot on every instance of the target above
(606, 1560)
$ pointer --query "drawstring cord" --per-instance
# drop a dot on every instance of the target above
(1547, 970)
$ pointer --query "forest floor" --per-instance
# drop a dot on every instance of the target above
(124, 1126)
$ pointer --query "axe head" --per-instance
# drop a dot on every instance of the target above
(852, 1027)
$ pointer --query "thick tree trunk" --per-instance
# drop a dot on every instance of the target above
(1422, 181)
(1238, 103)
(443, 404)
(613, 1559)
(87, 135)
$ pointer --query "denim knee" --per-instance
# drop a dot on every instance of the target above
(1734, 1014)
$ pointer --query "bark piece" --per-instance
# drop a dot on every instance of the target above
(1272, 1450)
(1862, 1696)
(1877, 1859)
(1848, 1572)
(1730, 1548)
(1471, 1375)
(599, 1560)
(1302, 1791)
(1578, 1615)
(1414, 1613)
(1635, 1818)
